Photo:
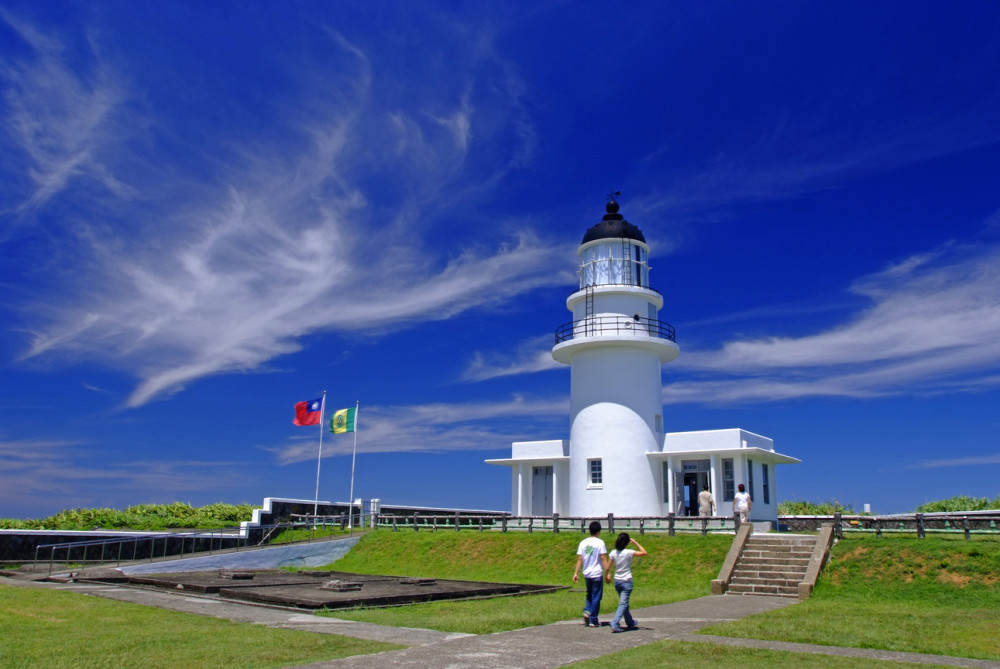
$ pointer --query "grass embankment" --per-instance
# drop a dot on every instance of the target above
(41, 628)
(677, 568)
(939, 595)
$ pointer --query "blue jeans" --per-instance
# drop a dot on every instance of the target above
(624, 589)
(595, 590)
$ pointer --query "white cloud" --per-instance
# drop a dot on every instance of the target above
(531, 356)
(971, 461)
(61, 120)
(931, 327)
(433, 428)
(281, 243)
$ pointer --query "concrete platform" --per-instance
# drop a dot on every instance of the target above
(315, 589)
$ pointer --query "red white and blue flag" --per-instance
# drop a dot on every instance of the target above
(308, 413)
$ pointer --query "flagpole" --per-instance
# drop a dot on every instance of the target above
(319, 458)
(350, 502)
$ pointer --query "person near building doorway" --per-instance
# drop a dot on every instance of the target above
(706, 503)
(742, 504)
(622, 556)
(592, 559)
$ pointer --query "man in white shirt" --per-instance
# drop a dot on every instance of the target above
(592, 558)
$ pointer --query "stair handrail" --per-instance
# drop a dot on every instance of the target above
(721, 584)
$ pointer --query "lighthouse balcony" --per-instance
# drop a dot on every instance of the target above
(629, 332)
(615, 326)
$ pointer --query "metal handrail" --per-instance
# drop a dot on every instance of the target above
(201, 541)
(595, 326)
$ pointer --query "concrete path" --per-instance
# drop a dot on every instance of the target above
(539, 647)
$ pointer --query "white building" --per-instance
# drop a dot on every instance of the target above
(618, 459)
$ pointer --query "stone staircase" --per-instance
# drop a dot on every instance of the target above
(772, 564)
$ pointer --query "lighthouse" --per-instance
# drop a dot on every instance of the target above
(618, 458)
(615, 346)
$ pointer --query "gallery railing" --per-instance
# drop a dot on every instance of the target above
(623, 326)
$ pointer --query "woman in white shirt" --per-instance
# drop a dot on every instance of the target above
(622, 556)
(742, 504)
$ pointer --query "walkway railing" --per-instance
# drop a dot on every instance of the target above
(967, 523)
(163, 545)
(556, 523)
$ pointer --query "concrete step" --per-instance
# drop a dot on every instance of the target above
(784, 562)
(774, 590)
(774, 555)
(782, 575)
(781, 582)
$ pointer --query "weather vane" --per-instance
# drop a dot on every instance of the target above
(613, 195)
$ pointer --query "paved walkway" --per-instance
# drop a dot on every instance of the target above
(539, 647)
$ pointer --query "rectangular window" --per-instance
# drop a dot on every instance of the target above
(728, 480)
(658, 420)
(750, 480)
(766, 485)
(596, 479)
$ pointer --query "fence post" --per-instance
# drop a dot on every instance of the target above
(555, 523)
(838, 526)
(878, 527)
(457, 521)
(611, 523)
(503, 524)
(531, 523)
(480, 523)
(736, 520)
(704, 527)
(415, 528)
(920, 526)
(642, 526)
(670, 523)
(965, 525)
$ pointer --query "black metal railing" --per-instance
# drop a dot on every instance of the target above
(596, 326)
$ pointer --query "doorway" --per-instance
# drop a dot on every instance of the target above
(541, 491)
(696, 474)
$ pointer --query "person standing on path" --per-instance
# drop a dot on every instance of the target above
(592, 558)
(706, 503)
(742, 504)
(622, 557)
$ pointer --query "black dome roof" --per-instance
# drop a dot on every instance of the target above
(613, 226)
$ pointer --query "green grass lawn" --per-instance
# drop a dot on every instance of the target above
(42, 628)
(938, 595)
(677, 568)
(679, 655)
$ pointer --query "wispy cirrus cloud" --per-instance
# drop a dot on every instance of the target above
(280, 242)
(943, 463)
(530, 356)
(55, 468)
(930, 328)
(62, 119)
(437, 428)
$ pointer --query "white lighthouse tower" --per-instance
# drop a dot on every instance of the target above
(618, 458)
(615, 346)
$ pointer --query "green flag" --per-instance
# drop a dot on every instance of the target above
(342, 421)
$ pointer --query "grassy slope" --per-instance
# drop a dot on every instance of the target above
(677, 568)
(42, 628)
(936, 595)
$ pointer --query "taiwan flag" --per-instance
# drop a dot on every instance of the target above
(308, 413)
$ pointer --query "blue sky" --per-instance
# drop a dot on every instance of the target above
(209, 212)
